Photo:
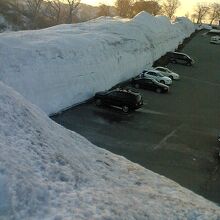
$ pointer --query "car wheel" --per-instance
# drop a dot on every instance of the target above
(98, 102)
(158, 90)
(162, 81)
(171, 77)
(137, 86)
(173, 61)
(125, 109)
(189, 64)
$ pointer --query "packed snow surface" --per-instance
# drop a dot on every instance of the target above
(48, 172)
(60, 66)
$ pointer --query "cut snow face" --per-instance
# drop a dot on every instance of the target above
(49, 172)
(60, 66)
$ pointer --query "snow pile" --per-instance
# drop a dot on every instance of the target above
(185, 26)
(49, 172)
(60, 66)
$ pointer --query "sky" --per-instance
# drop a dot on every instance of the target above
(186, 5)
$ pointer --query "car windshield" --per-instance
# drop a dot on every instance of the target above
(161, 69)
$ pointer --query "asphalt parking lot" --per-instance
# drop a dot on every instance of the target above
(173, 134)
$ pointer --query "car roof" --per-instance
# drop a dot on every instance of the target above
(179, 53)
(152, 70)
(161, 67)
(128, 91)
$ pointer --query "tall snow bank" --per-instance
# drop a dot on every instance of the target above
(60, 66)
(49, 172)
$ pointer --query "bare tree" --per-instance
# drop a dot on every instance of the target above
(4, 6)
(54, 11)
(169, 7)
(193, 17)
(33, 10)
(214, 12)
(200, 12)
(151, 7)
(124, 8)
(154, 7)
(104, 10)
(187, 15)
(72, 9)
(9, 6)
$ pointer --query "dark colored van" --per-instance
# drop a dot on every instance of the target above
(181, 58)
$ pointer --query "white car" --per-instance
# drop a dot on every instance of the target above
(215, 40)
(167, 72)
(157, 75)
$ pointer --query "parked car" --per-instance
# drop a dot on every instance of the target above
(123, 98)
(215, 40)
(167, 72)
(157, 75)
(181, 58)
(150, 84)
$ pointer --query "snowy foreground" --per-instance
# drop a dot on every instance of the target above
(64, 65)
(48, 172)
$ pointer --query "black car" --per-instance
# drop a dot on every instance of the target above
(150, 84)
(123, 98)
(181, 58)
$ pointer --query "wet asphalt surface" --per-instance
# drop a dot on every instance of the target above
(173, 134)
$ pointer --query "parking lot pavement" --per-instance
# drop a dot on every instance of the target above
(173, 134)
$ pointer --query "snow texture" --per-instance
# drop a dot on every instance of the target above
(48, 172)
(60, 66)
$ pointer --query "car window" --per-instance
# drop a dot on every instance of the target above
(152, 73)
(161, 69)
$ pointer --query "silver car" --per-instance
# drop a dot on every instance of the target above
(157, 75)
(167, 72)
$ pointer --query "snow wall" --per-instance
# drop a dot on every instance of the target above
(64, 65)
(48, 172)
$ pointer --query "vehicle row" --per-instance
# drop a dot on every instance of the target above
(127, 99)
(158, 79)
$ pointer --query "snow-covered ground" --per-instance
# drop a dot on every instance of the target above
(60, 66)
(48, 172)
